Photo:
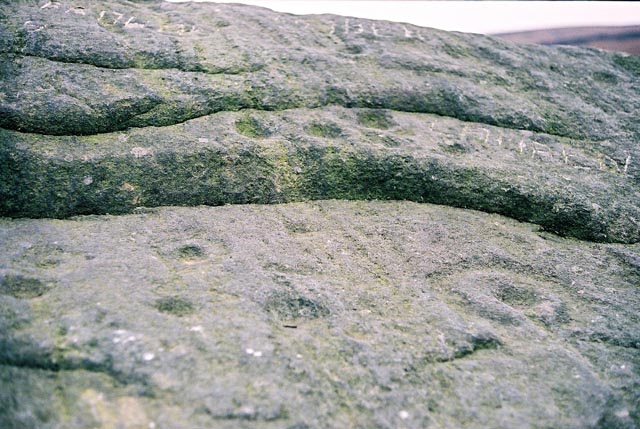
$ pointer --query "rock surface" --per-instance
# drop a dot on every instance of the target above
(317, 312)
(322, 315)
(295, 108)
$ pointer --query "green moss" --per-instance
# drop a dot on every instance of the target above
(374, 118)
(175, 305)
(630, 63)
(273, 172)
(555, 125)
(353, 48)
(253, 127)
(22, 287)
(324, 129)
(605, 77)
(14, 314)
(190, 252)
(454, 51)
(290, 306)
(455, 148)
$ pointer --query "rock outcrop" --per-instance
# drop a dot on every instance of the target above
(333, 308)
(294, 108)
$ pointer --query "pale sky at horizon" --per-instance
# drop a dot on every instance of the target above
(468, 16)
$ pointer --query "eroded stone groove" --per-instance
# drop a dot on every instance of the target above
(178, 96)
(269, 91)
(301, 154)
(230, 85)
(288, 62)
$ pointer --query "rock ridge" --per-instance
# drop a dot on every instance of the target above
(571, 110)
(302, 154)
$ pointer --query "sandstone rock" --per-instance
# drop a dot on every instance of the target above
(315, 312)
(538, 134)
(334, 152)
(324, 314)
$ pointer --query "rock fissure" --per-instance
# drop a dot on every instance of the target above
(100, 115)
(128, 67)
(258, 108)
(39, 360)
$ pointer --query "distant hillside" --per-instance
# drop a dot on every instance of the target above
(623, 39)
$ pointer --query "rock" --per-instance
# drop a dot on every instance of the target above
(335, 152)
(352, 302)
(165, 104)
(319, 314)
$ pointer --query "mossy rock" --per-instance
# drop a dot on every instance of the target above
(252, 126)
(375, 119)
(174, 305)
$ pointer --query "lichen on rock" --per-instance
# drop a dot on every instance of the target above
(382, 225)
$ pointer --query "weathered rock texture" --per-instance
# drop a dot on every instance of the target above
(293, 108)
(316, 314)
(321, 315)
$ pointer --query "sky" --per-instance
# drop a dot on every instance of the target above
(469, 16)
